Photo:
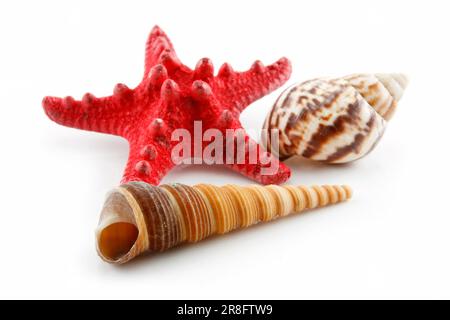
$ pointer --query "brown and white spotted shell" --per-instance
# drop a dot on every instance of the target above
(334, 120)
(138, 217)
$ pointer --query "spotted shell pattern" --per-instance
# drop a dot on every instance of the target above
(334, 120)
(138, 217)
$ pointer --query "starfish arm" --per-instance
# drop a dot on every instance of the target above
(159, 49)
(251, 160)
(105, 115)
(242, 88)
(148, 162)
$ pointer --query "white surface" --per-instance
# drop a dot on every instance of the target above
(390, 241)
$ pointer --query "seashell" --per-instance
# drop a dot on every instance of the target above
(334, 120)
(138, 217)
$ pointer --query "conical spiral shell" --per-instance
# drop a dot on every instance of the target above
(334, 120)
(138, 217)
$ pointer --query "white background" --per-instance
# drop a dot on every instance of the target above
(391, 241)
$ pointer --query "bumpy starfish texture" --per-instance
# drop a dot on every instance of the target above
(172, 96)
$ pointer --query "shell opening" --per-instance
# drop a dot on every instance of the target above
(117, 232)
(117, 239)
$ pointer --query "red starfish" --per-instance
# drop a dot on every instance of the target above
(173, 96)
